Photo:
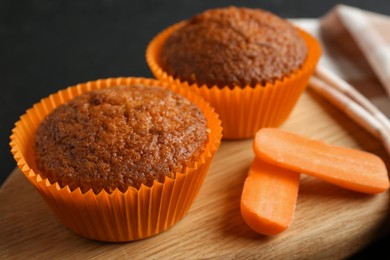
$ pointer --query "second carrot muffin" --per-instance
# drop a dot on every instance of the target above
(251, 65)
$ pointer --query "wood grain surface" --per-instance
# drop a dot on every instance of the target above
(329, 222)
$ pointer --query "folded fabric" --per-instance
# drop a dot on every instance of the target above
(354, 71)
(361, 40)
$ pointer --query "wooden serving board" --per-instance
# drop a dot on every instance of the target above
(329, 222)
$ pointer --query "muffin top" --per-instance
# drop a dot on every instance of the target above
(233, 47)
(119, 137)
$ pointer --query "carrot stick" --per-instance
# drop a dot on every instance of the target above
(269, 197)
(349, 168)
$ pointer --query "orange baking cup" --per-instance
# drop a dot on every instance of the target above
(244, 110)
(116, 217)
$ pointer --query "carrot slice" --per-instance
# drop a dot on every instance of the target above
(269, 197)
(349, 168)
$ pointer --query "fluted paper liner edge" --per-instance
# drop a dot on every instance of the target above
(243, 110)
(119, 216)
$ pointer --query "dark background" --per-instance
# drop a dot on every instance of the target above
(47, 45)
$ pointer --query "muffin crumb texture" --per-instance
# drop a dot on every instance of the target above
(233, 47)
(119, 137)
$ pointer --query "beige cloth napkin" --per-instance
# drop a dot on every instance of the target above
(354, 71)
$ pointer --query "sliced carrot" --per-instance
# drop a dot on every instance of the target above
(349, 168)
(269, 198)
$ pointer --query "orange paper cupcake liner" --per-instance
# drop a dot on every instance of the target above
(119, 216)
(244, 110)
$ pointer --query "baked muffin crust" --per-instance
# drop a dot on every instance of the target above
(119, 137)
(233, 46)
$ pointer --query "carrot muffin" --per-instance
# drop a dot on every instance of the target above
(118, 159)
(119, 137)
(249, 64)
(233, 46)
